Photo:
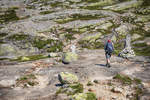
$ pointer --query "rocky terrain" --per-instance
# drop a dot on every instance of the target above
(36, 34)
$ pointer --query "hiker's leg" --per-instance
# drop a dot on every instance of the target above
(107, 59)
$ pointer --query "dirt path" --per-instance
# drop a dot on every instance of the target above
(89, 67)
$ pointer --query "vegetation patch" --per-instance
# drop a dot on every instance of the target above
(26, 81)
(18, 37)
(8, 16)
(79, 17)
(145, 3)
(54, 45)
(99, 5)
(77, 88)
(46, 12)
(29, 58)
(72, 89)
(128, 19)
(89, 83)
(124, 79)
(127, 80)
(142, 49)
(142, 10)
(91, 96)
(3, 35)
(69, 37)
(91, 45)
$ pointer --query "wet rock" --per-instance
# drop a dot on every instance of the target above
(67, 78)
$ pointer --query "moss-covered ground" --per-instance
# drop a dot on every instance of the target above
(8, 16)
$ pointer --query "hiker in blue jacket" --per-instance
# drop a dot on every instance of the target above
(108, 51)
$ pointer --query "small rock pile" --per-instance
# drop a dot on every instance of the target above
(72, 88)
(127, 53)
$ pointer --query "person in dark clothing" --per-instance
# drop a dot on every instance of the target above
(108, 51)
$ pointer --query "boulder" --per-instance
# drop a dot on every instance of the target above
(67, 78)
(92, 37)
(84, 96)
(8, 51)
(135, 36)
(69, 57)
(122, 30)
(105, 26)
(79, 96)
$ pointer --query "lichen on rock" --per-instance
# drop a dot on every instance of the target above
(69, 57)
(67, 78)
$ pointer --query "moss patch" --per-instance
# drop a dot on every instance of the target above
(8, 16)
(46, 12)
(18, 37)
(89, 83)
(142, 49)
(26, 80)
(91, 45)
(29, 58)
(77, 88)
(123, 79)
(98, 5)
(91, 96)
(55, 45)
(118, 7)
(79, 17)
(3, 35)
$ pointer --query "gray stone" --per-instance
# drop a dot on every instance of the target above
(67, 78)
(69, 57)
(127, 52)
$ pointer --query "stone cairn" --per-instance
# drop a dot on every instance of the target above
(127, 52)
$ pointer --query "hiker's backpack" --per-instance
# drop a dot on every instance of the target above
(109, 47)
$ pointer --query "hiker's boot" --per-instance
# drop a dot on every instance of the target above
(106, 64)
(109, 65)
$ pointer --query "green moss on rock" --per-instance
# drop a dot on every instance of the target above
(85, 96)
(3, 35)
(46, 12)
(8, 16)
(79, 17)
(123, 79)
(98, 5)
(18, 37)
(67, 78)
(69, 57)
(29, 58)
(121, 7)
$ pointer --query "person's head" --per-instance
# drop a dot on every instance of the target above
(109, 41)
